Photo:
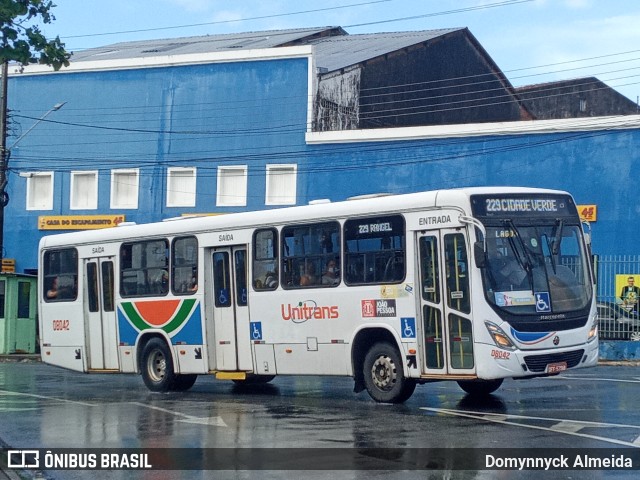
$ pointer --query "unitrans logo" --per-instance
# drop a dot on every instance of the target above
(306, 310)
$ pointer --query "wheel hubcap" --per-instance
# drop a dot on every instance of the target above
(383, 373)
(157, 366)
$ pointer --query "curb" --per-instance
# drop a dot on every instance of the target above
(20, 358)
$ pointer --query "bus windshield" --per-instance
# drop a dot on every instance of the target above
(540, 269)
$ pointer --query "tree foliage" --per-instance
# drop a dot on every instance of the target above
(21, 40)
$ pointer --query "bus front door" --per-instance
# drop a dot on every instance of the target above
(102, 343)
(445, 303)
(231, 312)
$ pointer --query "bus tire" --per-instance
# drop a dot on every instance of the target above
(384, 374)
(182, 383)
(480, 387)
(157, 366)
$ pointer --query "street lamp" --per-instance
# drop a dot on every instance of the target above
(5, 154)
(55, 108)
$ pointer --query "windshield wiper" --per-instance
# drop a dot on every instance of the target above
(522, 254)
(523, 258)
(557, 238)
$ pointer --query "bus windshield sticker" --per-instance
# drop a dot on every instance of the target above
(543, 302)
(515, 298)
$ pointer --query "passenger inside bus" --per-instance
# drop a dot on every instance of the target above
(508, 274)
(331, 275)
(308, 277)
(53, 291)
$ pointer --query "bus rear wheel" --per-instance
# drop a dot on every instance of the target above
(157, 366)
(480, 387)
(384, 374)
(183, 383)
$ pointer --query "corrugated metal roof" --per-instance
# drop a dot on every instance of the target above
(195, 45)
(333, 50)
(334, 53)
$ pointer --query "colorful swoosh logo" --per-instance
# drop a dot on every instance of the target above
(168, 315)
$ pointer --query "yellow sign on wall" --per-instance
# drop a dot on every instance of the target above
(78, 222)
(588, 213)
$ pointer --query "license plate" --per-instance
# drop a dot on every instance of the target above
(556, 367)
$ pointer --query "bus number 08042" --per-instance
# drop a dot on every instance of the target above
(59, 325)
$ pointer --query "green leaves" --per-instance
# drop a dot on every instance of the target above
(21, 40)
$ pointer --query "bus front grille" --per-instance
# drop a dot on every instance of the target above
(538, 363)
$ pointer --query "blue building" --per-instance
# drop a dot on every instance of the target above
(226, 123)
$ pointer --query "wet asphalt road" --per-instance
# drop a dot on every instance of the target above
(47, 407)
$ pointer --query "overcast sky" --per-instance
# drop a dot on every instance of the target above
(532, 41)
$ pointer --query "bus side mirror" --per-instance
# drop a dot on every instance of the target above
(479, 254)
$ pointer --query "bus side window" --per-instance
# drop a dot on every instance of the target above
(184, 266)
(311, 255)
(375, 249)
(144, 268)
(265, 259)
(60, 275)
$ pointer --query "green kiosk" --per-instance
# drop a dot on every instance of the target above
(18, 313)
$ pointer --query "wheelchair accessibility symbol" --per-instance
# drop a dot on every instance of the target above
(543, 302)
(256, 330)
(408, 325)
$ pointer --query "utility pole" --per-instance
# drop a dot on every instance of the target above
(5, 152)
(4, 156)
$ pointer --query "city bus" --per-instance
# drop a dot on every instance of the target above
(473, 285)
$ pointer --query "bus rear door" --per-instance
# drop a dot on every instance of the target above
(445, 303)
(231, 312)
(100, 313)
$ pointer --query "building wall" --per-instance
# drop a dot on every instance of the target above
(251, 113)
(596, 166)
(582, 97)
(255, 113)
(446, 81)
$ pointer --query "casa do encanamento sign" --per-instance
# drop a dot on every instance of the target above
(78, 222)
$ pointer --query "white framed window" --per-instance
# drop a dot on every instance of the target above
(281, 184)
(84, 191)
(39, 191)
(181, 187)
(232, 186)
(124, 188)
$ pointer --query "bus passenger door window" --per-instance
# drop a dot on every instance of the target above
(221, 279)
(434, 339)
(458, 295)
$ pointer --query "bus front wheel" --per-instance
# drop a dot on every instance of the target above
(480, 387)
(157, 366)
(384, 374)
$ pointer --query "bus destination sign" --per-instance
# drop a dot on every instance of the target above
(510, 205)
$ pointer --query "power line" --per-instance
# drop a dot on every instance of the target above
(446, 12)
(219, 22)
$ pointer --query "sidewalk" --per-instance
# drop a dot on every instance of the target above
(20, 357)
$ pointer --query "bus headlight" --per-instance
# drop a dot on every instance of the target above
(593, 331)
(499, 337)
